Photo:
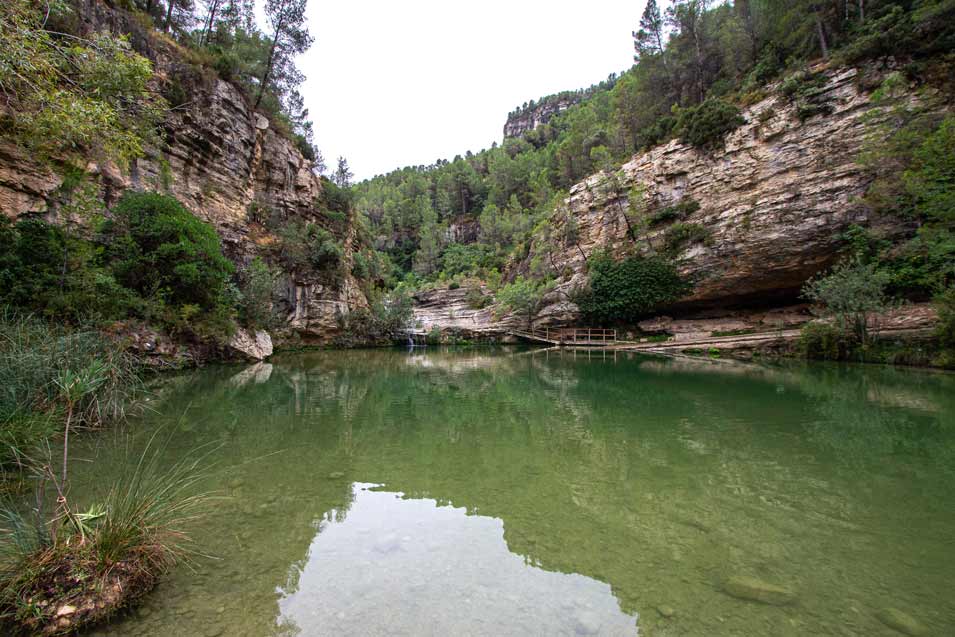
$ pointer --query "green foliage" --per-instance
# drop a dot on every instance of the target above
(385, 320)
(678, 211)
(34, 357)
(47, 270)
(945, 331)
(626, 291)
(825, 341)
(72, 95)
(257, 286)
(162, 251)
(524, 297)
(851, 292)
(680, 234)
(707, 124)
(476, 299)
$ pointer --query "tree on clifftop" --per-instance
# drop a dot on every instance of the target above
(343, 174)
(289, 37)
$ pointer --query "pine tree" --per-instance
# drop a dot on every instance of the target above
(343, 175)
(649, 39)
(289, 38)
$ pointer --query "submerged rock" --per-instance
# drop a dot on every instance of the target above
(901, 621)
(255, 345)
(756, 590)
(665, 611)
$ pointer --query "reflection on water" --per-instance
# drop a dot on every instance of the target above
(559, 493)
(409, 567)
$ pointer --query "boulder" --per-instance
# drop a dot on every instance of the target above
(756, 590)
(254, 345)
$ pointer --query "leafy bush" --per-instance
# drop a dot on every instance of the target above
(945, 331)
(45, 269)
(679, 234)
(524, 297)
(681, 210)
(159, 249)
(824, 341)
(385, 319)
(628, 290)
(476, 299)
(307, 246)
(705, 125)
(851, 292)
(257, 287)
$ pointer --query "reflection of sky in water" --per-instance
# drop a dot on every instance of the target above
(408, 567)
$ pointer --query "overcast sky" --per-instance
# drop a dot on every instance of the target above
(393, 83)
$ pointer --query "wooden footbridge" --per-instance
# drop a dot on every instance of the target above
(569, 336)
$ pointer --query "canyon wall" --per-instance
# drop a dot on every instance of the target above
(774, 201)
(224, 162)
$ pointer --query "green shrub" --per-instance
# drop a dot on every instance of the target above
(705, 125)
(628, 290)
(679, 234)
(681, 210)
(824, 341)
(851, 292)
(524, 297)
(257, 287)
(476, 299)
(45, 269)
(945, 331)
(161, 250)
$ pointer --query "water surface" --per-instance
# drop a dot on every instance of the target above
(503, 493)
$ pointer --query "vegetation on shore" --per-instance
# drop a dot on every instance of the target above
(65, 564)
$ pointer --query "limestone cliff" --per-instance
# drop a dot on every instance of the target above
(773, 201)
(226, 163)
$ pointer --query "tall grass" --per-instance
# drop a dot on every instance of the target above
(34, 356)
(107, 557)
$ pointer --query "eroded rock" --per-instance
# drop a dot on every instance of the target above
(255, 345)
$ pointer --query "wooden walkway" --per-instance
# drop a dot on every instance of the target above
(570, 336)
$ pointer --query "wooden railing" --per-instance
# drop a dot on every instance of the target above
(570, 335)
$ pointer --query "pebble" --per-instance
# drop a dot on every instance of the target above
(901, 621)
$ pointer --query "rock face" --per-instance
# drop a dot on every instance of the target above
(525, 120)
(226, 163)
(773, 201)
(255, 345)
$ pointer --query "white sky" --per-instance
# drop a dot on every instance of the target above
(397, 83)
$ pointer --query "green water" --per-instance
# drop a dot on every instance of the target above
(503, 493)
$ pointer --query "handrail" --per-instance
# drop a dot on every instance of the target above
(571, 335)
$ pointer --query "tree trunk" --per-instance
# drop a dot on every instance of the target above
(821, 34)
(212, 18)
(170, 4)
(268, 66)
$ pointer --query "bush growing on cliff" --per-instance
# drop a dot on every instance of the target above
(707, 124)
(627, 291)
(158, 248)
(67, 95)
(524, 297)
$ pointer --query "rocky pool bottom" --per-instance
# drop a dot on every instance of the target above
(494, 492)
